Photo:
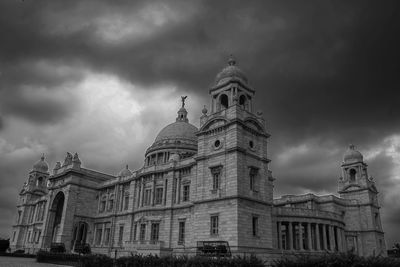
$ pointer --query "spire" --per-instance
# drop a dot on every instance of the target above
(231, 60)
(42, 157)
(182, 113)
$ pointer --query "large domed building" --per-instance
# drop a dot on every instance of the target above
(204, 190)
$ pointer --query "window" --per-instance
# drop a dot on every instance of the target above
(215, 181)
(224, 101)
(216, 174)
(147, 197)
(110, 204)
(102, 205)
(99, 232)
(126, 202)
(38, 236)
(13, 239)
(142, 234)
(159, 195)
(155, 229)
(253, 178)
(19, 216)
(352, 175)
(242, 101)
(29, 237)
(255, 225)
(186, 192)
(134, 232)
(214, 225)
(181, 233)
(120, 234)
(106, 236)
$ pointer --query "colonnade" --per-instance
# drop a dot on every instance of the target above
(311, 236)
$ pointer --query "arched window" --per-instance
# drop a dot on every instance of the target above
(242, 101)
(39, 181)
(352, 175)
(224, 101)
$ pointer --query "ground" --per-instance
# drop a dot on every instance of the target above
(24, 262)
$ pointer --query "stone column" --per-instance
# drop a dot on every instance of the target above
(324, 238)
(344, 245)
(153, 189)
(317, 238)
(165, 191)
(309, 239)
(279, 235)
(290, 235)
(301, 247)
(331, 238)
(339, 239)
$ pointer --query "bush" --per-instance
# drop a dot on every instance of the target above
(4, 245)
(57, 247)
(60, 258)
(96, 261)
(337, 260)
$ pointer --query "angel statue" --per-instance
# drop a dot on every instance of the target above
(183, 100)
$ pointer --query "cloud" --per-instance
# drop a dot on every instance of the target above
(102, 78)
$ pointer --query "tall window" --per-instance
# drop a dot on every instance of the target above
(181, 235)
(102, 205)
(121, 234)
(215, 181)
(13, 239)
(99, 232)
(214, 225)
(253, 178)
(147, 197)
(19, 216)
(159, 195)
(255, 225)
(38, 236)
(216, 177)
(110, 204)
(135, 231)
(186, 192)
(155, 229)
(142, 234)
(126, 201)
(107, 236)
(352, 175)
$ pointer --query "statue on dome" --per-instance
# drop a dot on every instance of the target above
(183, 100)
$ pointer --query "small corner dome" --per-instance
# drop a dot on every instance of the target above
(230, 71)
(125, 172)
(352, 155)
(41, 165)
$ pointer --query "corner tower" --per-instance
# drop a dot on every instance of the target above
(234, 186)
(365, 236)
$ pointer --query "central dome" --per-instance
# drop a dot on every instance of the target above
(178, 138)
(177, 131)
(229, 72)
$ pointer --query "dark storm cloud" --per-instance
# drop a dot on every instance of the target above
(320, 68)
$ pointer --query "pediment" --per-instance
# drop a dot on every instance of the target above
(254, 124)
(214, 123)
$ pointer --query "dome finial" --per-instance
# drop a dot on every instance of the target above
(231, 60)
(42, 157)
(352, 147)
(182, 113)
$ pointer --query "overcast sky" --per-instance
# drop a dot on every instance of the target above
(102, 78)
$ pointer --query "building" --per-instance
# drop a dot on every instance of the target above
(198, 186)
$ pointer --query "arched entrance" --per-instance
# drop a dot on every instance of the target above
(79, 236)
(57, 209)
